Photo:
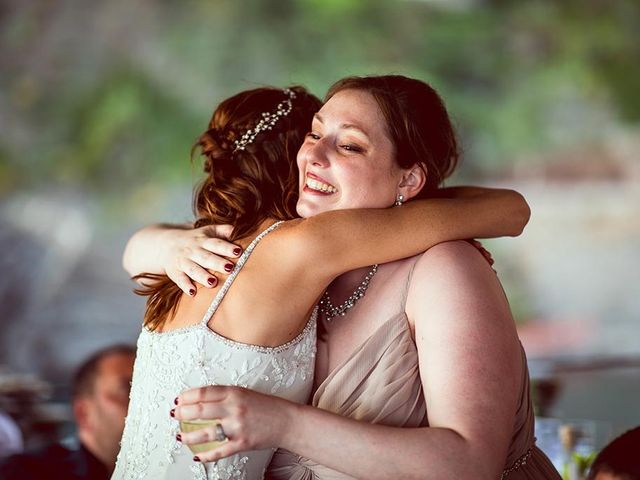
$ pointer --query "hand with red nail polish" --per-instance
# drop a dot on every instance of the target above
(250, 420)
(185, 255)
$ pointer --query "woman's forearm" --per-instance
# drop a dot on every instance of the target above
(348, 239)
(482, 212)
(144, 249)
(364, 450)
(511, 205)
(513, 202)
(253, 420)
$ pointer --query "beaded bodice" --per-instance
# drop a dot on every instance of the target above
(170, 362)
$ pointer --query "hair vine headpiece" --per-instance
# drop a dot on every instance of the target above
(267, 122)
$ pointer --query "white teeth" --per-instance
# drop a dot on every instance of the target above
(320, 186)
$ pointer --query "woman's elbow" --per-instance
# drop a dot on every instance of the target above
(128, 260)
(485, 468)
(521, 214)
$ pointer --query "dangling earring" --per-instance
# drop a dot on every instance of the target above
(399, 200)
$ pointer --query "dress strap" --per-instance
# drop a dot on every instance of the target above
(405, 290)
(239, 264)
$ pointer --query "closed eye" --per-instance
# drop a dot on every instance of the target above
(349, 147)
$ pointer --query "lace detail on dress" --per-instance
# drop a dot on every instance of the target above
(199, 473)
(169, 363)
(235, 470)
(287, 370)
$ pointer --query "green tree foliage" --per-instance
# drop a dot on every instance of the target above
(115, 93)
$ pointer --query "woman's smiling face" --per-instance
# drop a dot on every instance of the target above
(347, 160)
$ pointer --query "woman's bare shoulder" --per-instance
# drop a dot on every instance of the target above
(452, 272)
(454, 257)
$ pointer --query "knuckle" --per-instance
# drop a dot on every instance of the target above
(200, 394)
(235, 395)
(192, 269)
(231, 394)
(210, 258)
(240, 412)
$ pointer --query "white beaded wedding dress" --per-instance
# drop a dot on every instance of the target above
(171, 362)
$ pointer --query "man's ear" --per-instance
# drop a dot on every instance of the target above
(412, 181)
(81, 412)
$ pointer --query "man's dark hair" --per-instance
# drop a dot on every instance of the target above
(620, 457)
(84, 378)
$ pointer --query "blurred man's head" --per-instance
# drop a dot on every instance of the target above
(619, 460)
(100, 400)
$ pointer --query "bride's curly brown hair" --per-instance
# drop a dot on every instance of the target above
(242, 187)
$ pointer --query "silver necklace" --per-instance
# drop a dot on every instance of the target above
(330, 310)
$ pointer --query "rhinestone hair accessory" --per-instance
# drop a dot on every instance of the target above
(267, 122)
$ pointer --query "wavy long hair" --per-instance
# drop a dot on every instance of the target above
(242, 187)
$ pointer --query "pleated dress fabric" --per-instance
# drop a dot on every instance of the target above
(380, 383)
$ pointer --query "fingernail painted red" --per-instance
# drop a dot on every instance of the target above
(172, 412)
(228, 267)
(192, 292)
(212, 281)
(179, 437)
(175, 400)
(196, 459)
(237, 251)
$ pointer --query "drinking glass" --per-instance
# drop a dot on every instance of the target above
(192, 426)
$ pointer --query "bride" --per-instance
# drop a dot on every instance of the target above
(257, 330)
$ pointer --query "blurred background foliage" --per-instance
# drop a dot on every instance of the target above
(111, 94)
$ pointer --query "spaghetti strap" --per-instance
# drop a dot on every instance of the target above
(215, 303)
(405, 291)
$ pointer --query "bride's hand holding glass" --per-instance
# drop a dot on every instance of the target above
(249, 420)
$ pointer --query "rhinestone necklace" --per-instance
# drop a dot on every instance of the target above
(330, 310)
